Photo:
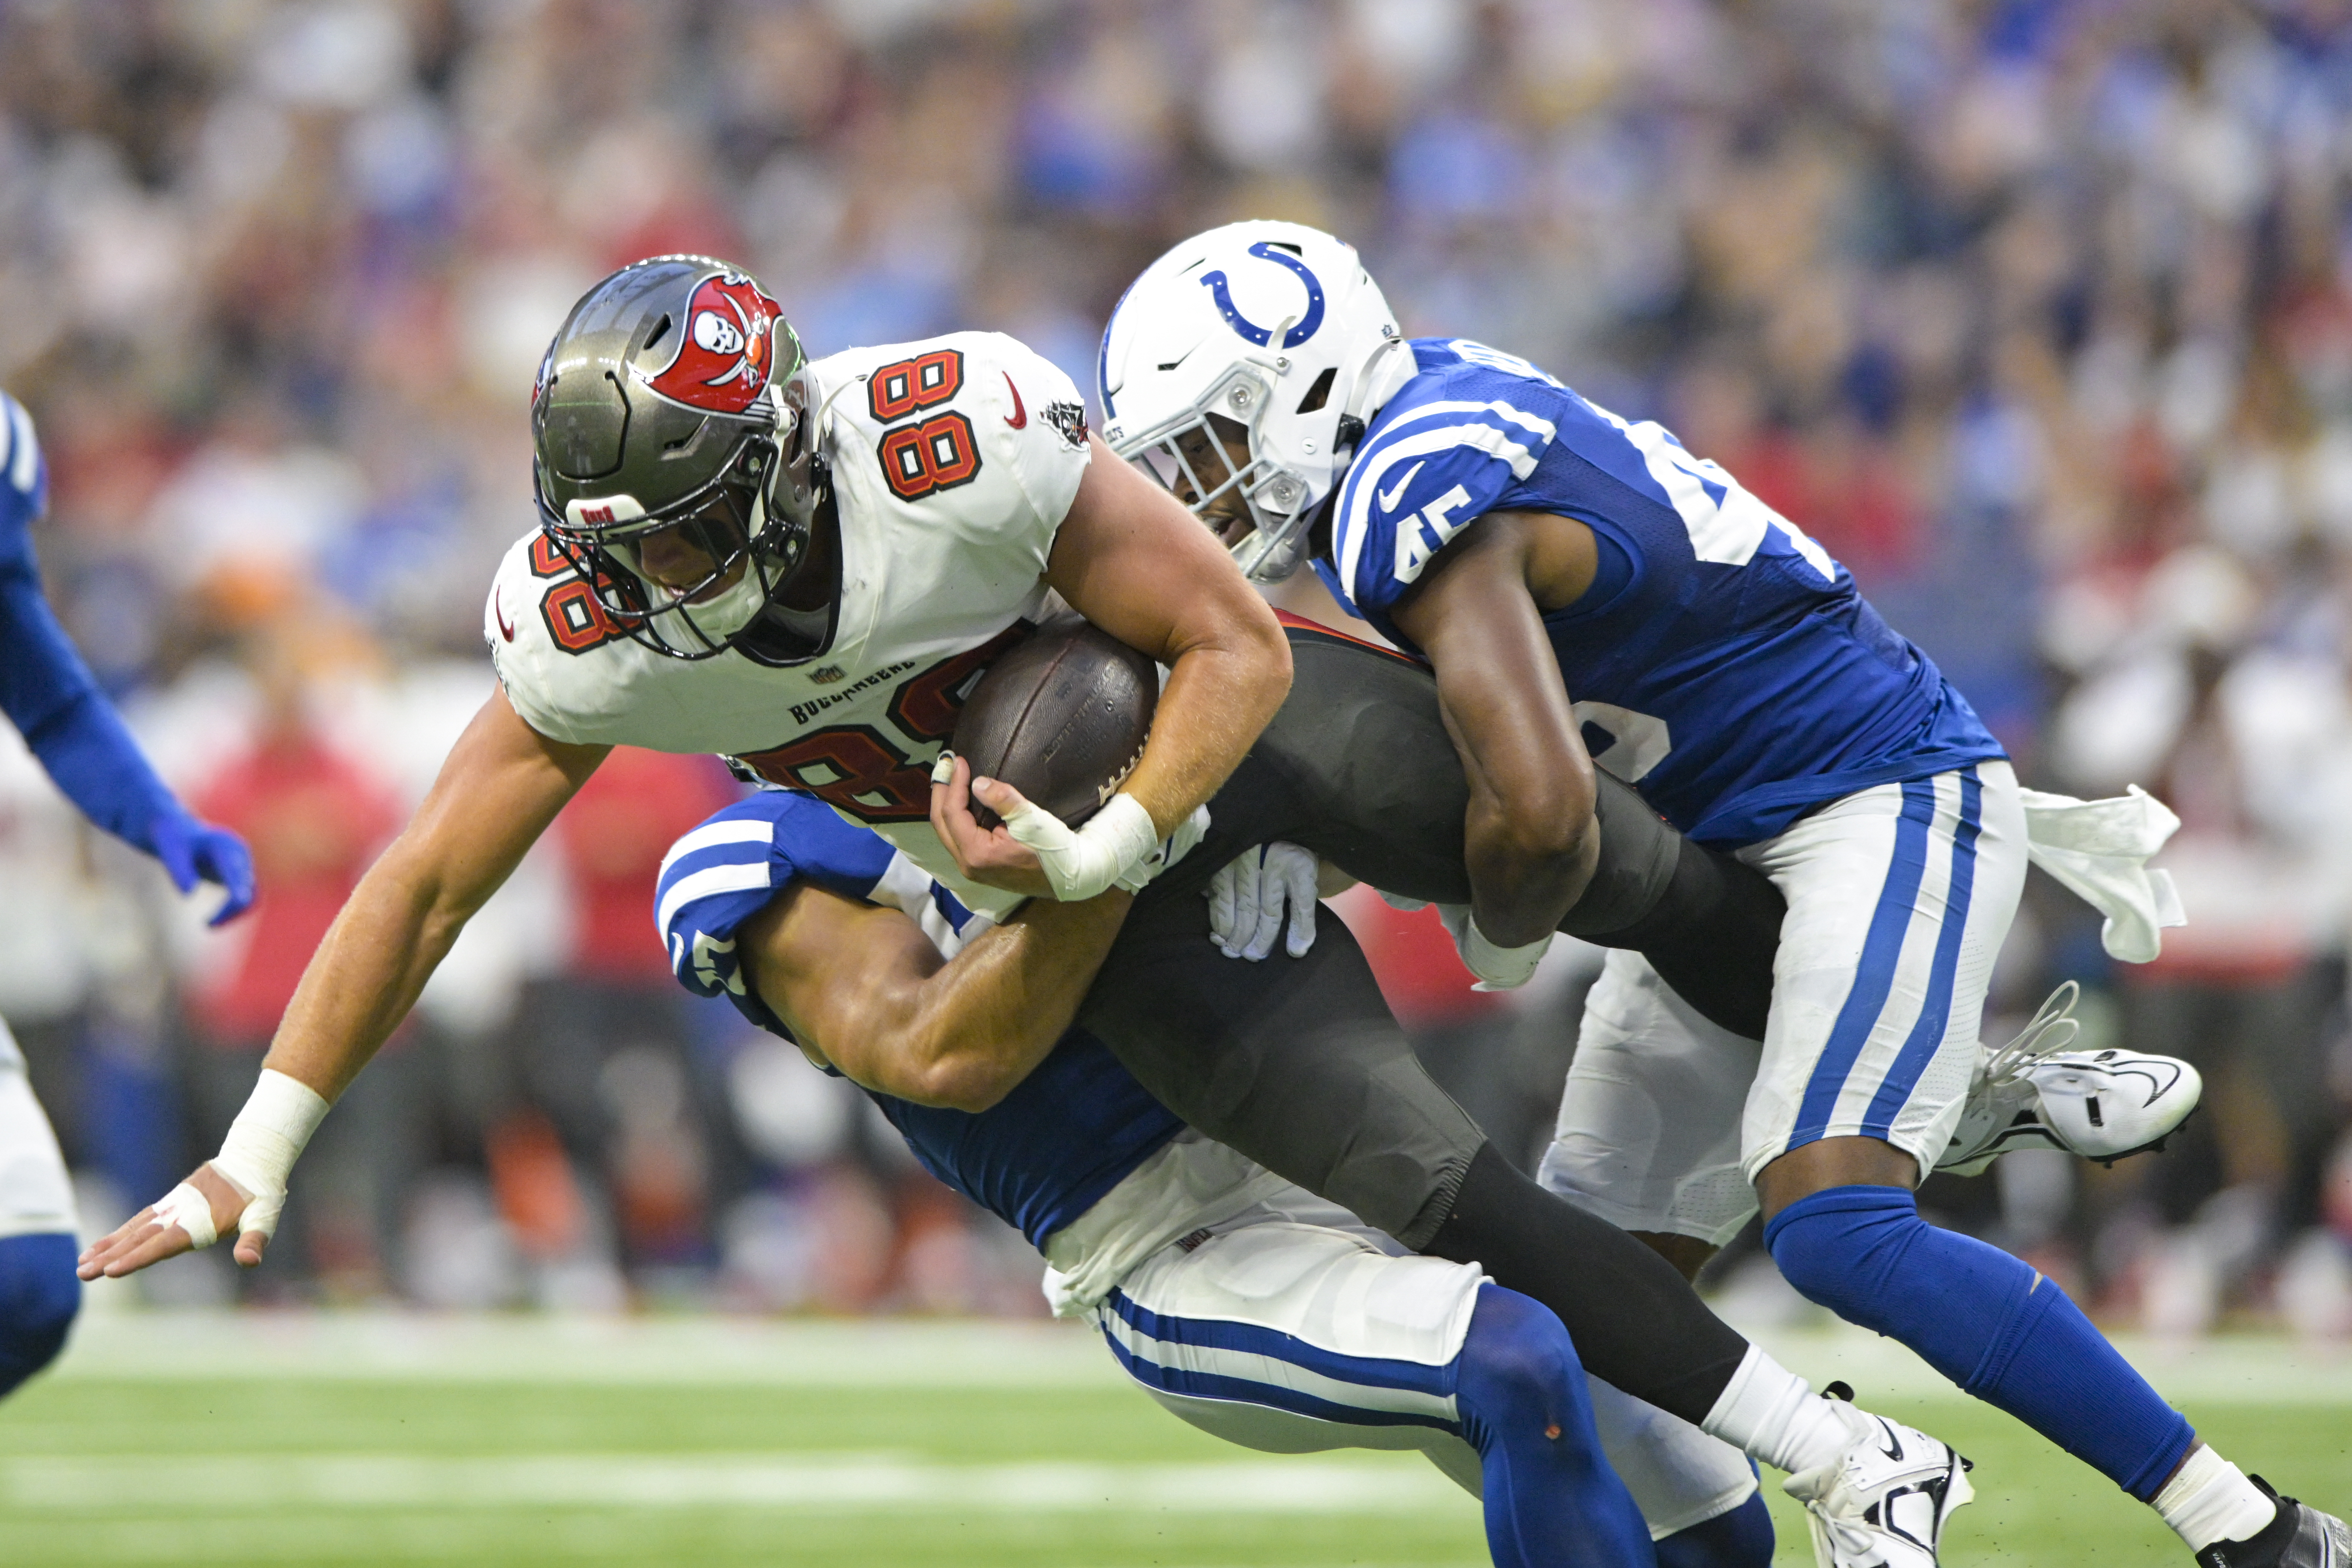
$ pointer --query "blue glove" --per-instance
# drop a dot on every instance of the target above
(24, 476)
(194, 851)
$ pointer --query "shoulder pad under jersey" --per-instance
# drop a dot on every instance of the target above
(1437, 457)
(972, 432)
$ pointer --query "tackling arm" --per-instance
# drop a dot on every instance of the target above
(1530, 844)
(862, 987)
(502, 784)
(1131, 560)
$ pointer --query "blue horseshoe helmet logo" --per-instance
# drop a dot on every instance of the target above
(1264, 250)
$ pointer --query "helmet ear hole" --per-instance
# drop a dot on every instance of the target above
(1320, 392)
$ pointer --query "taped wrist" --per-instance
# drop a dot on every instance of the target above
(263, 1143)
(1166, 852)
(1082, 864)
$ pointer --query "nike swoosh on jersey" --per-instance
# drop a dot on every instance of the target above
(1388, 502)
(1019, 418)
(505, 627)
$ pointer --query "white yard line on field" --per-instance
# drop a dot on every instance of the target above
(203, 1346)
(297, 1482)
(519, 1348)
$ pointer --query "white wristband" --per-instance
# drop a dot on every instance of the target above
(1498, 968)
(1080, 863)
(1502, 969)
(263, 1142)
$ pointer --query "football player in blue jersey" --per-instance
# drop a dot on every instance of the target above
(1590, 593)
(55, 704)
(1239, 1302)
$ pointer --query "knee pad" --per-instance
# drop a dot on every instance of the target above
(1738, 1538)
(1518, 1368)
(39, 1297)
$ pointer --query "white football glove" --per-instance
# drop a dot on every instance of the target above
(1248, 897)
(1497, 969)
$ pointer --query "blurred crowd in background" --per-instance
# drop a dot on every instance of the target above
(2038, 313)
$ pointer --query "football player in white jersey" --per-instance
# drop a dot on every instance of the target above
(795, 564)
(1589, 592)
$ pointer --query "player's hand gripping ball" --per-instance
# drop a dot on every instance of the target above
(1061, 718)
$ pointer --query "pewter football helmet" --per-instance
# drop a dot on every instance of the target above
(675, 396)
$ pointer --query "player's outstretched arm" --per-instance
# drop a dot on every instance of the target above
(862, 987)
(1131, 560)
(50, 694)
(502, 785)
(1530, 845)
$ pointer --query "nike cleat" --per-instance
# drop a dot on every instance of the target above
(2300, 1536)
(1884, 1502)
(2035, 1093)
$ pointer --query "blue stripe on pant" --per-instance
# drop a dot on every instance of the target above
(1936, 1009)
(1882, 951)
(1216, 1356)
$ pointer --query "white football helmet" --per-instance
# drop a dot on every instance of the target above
(1274, 329)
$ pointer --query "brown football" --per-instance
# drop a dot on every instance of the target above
(1061, 717)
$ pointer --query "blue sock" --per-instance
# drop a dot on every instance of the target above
(1549, 1494)
(1986, 1321)
(1741, 1538)
(38, 1298)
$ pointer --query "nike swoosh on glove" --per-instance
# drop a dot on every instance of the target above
(194, 851)
(1249, 895)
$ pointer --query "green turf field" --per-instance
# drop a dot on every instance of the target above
(353, 1441)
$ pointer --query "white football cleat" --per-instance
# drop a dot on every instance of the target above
(1883, 1503)
(2035, 1093)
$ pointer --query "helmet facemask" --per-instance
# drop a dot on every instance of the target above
(672, 430)
(1239, 369)
(1194, 454)
(754, 523)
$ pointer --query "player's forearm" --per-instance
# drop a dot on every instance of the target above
(1519, 890)
(1528, 840)
(67, 722)
(1219, 698)
(964, 1036)
(393, 933)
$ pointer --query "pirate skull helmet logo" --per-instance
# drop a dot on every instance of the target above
(725, 353)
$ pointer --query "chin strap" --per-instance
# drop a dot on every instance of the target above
(1365, 391)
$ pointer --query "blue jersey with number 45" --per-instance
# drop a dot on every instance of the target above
(1721, 662)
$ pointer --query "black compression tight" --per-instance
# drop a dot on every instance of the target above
(1636, 1321)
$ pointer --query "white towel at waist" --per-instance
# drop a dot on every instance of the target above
(2098, 851)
